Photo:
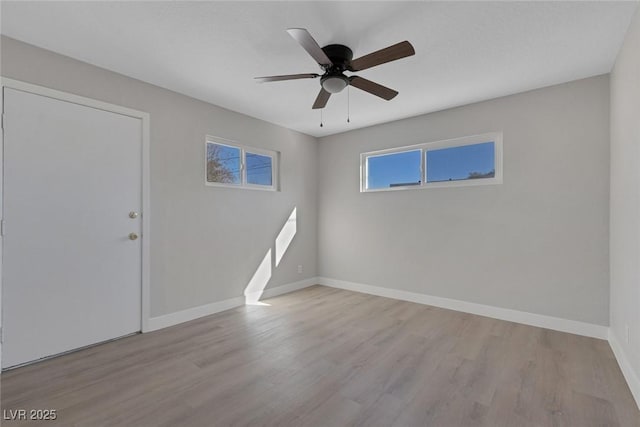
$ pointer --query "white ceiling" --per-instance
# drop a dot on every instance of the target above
(465, 51)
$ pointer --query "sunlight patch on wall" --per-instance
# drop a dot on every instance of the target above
(286, 235)
(259, 280)
(254, 290)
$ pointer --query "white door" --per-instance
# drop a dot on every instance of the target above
(71, 273)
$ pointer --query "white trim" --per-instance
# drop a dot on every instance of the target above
(532, 319)
(146, 177)
(495, 137)
(146, 220)
(283, 289)
(627, 370)
(193, 313)
(69, 97)
(175, 318)
(1, 211)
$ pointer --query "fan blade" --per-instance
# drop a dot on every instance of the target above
(321, 100)
(309, 44)
(286, 77)
(372, 87)
(382, 56)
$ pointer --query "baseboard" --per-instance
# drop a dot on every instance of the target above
(532, 319)
(193, 313)
(627, 370)
(282, 289)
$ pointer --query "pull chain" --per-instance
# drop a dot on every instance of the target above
(321, 118)
(348, 105)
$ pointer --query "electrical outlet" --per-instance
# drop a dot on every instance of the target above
(300, 269)
(627, 334)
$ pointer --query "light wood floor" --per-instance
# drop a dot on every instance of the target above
(327, 357)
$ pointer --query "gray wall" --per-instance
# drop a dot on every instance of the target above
(625, 196)
(537, 243)
(206, 242)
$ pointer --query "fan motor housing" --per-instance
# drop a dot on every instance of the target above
(341, 57)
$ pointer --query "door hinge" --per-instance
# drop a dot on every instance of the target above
(1, 227)
(2, 122)
(1, 334)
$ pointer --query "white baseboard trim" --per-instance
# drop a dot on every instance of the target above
(532, 319)
(627, 370)
(193, 313)
(175, 318)
(291, 287)
(283, 289)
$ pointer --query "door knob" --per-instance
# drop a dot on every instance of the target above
(133, 236)
(133, 214)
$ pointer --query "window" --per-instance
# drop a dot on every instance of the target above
(473, 160)
(394, 170)
(463, 162)
(259, 169)
(233, 165)
(223, 164)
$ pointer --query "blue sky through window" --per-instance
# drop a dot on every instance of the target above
(223, 164)
(463, 162)
(258, 169)
(394, 169)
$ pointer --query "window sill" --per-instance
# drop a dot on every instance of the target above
(241, 187)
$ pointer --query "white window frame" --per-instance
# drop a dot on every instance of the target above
(495, 137)
(244, 149)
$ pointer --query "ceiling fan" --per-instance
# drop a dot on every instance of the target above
(335, 59)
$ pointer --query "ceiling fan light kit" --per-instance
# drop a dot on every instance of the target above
(335, 59)
(334, 84)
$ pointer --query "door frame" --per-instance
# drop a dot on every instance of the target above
(146, 202)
